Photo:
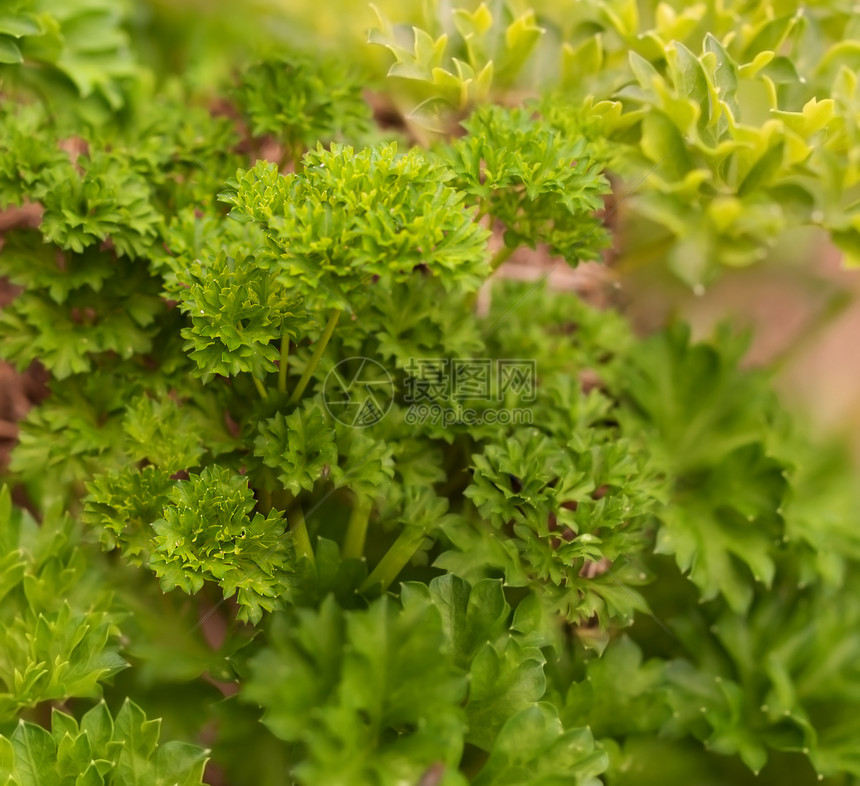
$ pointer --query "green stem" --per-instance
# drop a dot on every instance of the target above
(496, 262)
(261, 388)
(300, 534)
(395, 559)
(315, 358)
(500, 257)
(282, 364)
(356, 533)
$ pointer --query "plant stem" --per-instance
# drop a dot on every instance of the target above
(261, 388)
(299, 530)
(282, 364)
(496, 262)
(356, 533)
(395, 559)
(315, 358)
(500, 257)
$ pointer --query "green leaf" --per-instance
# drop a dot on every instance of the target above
(302, 102)
(237, 311)
(771, 35)
(505, 675)
(134, 765)
(124, 505)
(782, 71)
(534, 178)
(504, 680)
(206, 533)
(584, 59)
(99, 726)
(34, 748)
(725, 70)
(620, 695)
(7, 759)
(534, 750)
(370, 694)
(760, 173)
(101, 752)
(540, 515)
(711, 420)
(644, 72)
(91, 777)
(664, 145)
(180, 763)
(59, 623)
(471, 616)
(9, 51)
(18, 25)
(160, 432)
(300, 446)
(689, 77)
(351, 223)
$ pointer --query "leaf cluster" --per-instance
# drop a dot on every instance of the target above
(60, 634)
(300, 102)
(398, 691)
(458, 55)
(51, 48)
(355, 220)
(538, 183)
(99, 749)
(732, 126)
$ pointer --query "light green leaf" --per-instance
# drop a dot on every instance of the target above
(18, 25)
(9, 51)
(34, 748)
(534, 749)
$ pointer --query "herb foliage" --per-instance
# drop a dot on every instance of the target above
(651, 579)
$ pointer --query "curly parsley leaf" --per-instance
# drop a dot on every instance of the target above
(299, 446)
(353, 221)
(206, 532)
